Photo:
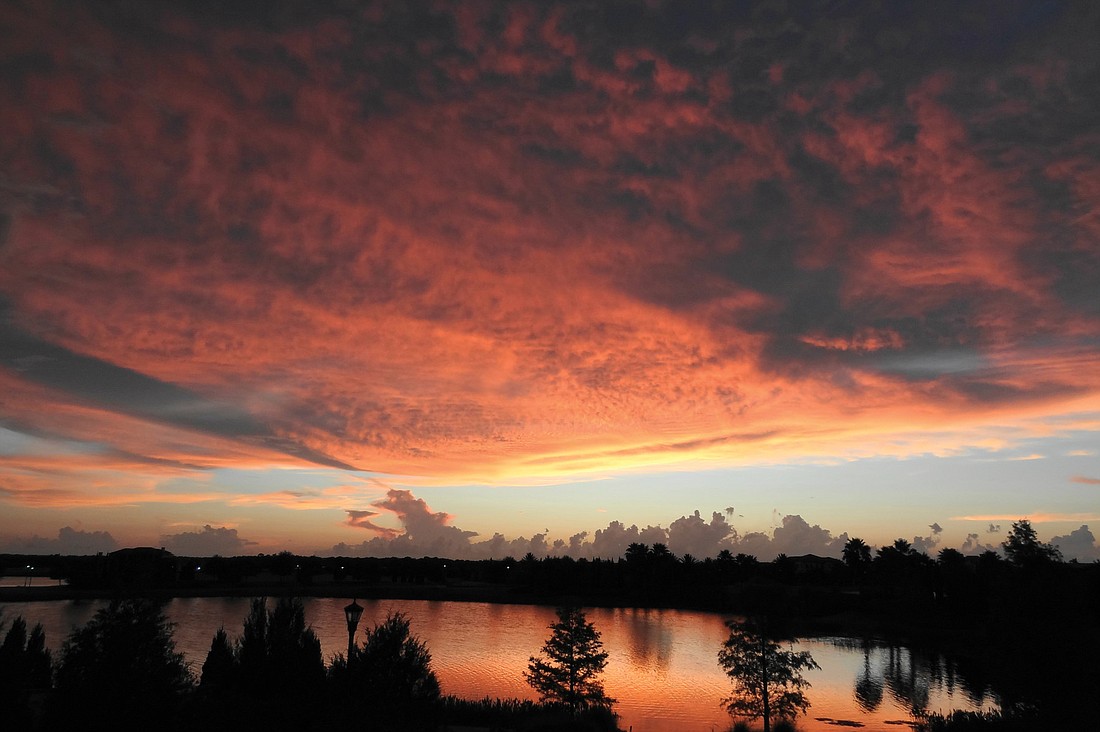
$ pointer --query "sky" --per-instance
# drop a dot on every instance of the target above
(482, 278)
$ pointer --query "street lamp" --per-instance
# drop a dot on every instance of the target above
(352, 613)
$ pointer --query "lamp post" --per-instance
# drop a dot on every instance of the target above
(352, 613)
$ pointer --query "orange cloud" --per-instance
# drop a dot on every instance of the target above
(1035, 518)
(523, 251)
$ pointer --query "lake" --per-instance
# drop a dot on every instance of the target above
(663, 666)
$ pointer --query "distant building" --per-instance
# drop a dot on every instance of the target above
(141, 568)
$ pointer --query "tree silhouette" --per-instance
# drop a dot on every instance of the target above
(661, 553)
(949, 557)
(24, 661)
(1023, 548)
(277, 653)
(575, 659)
(273, 676)
(124, 664)
(857, 555)
(24, 665)
(395, 664)
(220, 667)
(390, 674)
(898, 551)
(767, 681)
(636, 553)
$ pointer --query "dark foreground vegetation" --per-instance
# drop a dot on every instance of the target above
(1023, 623)
(121, 672)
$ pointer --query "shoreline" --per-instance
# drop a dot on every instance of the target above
(363, 591)
(843, 624)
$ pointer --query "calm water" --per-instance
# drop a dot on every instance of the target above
(663, 665)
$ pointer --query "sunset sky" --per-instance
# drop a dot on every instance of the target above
(467, 279)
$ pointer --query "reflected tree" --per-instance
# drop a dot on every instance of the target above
(868, 686)
(767, 680)
(907, 679)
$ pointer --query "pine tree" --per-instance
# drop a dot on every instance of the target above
(220, 667)
(575, 659)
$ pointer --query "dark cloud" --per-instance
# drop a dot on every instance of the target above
(925, 544)
(1079, 544)
(973, 546)
(70, 541)
(362, 520)
(206, 542)
(116, 387)
(91, 379)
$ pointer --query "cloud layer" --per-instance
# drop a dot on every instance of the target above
(69, 541)
(425, 533)
(512, 241)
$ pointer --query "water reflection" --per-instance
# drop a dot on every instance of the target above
(869, 683)
(663, 666)
(917, 680)
(650, 638)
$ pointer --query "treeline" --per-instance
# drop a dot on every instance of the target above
(895, 578)
(121, 671)
(1006, 616)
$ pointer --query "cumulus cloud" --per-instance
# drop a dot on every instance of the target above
(69, 541)
(206, 542)
(993, 529)
(1079, 544)
(428, 533)
(974, 546)
(611, 542)
(927, 544)
(796, 536)
(423, 533)
(692, 535)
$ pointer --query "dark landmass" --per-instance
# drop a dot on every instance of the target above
(1027, 627)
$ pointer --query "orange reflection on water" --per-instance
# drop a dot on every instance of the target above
(662, 668)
